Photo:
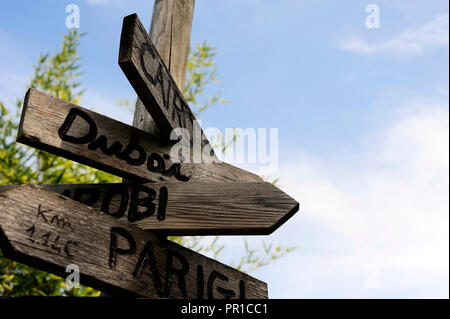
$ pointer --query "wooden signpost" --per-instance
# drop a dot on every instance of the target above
(104, 228)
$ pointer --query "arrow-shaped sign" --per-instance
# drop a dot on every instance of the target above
(49, 231)
(68, 130)
(200, 209)
(152, 81)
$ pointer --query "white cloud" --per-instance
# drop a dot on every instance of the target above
(378, 212)
(384, 208)
(412, 41)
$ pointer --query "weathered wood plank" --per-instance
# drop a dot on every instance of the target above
(152, 81)
(67, 130)
(200, 209)
(49, 231)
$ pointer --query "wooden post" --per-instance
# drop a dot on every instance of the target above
(170, 31)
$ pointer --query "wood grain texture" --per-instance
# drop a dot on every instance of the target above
(41, 126)
(199, 209)
(152, 81)
(170, 31)
(49, 231)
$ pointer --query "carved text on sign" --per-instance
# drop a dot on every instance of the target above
(176, 265)
(154, 163)
(49, 231)
(130, 198)
(171, 99)
(53, 240)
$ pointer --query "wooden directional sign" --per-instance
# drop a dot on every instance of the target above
(67, 130)
(151, 79)
(94, 226)
(252, 208)
(49, 231)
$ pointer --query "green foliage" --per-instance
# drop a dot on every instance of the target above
(59, 76)
(20, 280)
(251, 260)
(254, 259)
(201, 70)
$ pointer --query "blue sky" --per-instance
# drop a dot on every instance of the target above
(362, 116)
